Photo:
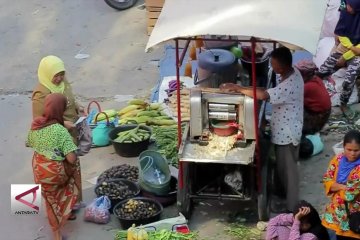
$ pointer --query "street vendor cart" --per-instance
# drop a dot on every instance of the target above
(205, 158)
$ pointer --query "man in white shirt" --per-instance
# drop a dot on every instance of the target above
(286, 120)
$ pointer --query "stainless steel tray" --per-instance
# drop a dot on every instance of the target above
(215, 153)
(193, 152)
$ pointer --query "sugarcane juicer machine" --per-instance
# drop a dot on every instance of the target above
(211, 104)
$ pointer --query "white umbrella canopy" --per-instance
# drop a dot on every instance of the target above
(294, 23)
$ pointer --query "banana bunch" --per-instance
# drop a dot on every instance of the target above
(140, 112)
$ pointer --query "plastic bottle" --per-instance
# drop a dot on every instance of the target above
(137, 234)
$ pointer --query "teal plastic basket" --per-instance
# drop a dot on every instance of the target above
(147, 159)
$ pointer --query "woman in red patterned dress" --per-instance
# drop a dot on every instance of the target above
(55, 164)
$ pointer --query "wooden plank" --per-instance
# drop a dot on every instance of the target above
(151, 22)
(153, 9)
(154, 3)
(149, 30)
(153, 14)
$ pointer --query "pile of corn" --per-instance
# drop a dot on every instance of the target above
(140, 112)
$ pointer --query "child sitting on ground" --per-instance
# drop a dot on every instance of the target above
(303, 224)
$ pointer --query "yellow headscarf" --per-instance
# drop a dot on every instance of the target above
(50, 66)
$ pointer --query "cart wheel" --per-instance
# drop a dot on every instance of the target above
(184, 202)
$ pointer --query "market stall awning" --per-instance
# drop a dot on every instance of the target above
(297, 22)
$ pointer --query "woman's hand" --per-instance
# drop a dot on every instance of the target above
(355, 50)
(302, 212)
(341, 62)
(229, 87)
(335, 187)
(69, 125)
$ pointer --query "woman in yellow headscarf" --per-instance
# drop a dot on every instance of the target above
(51, 74)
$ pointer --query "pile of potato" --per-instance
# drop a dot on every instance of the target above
(115, 190)
(125, 171)
(137, 209)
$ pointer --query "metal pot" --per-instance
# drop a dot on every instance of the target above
(215, 67)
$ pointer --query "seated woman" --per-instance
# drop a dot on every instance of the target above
(55, 164)
(303, 224)
(317, 103)
(342, 186)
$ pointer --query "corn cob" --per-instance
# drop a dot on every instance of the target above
(152, 113)
(132, 113)
(137, 102)
(155, 106)
(128, 109)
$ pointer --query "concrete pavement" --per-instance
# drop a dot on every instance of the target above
(117, 65)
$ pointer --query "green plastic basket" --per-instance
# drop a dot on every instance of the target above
(146, 160)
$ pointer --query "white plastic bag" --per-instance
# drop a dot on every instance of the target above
(323, 50)
(331, 18)
(98, 210)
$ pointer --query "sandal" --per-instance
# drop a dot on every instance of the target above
(72, 217)
(348, 113)
(79, 205)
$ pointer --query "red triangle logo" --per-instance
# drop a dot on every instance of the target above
(30, 204)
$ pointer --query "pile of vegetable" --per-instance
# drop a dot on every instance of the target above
(166, 141)
(156, 235)
(170, 235)
(140, 112)
(125, 171)
(132, 136)
(173, 87)
(242, 232)
(137, 209)
(184, 104)
(115, 190)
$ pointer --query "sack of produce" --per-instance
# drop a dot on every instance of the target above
(98, 210)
